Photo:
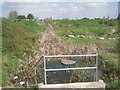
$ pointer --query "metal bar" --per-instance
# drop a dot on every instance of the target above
(97, 67)
(45, 71)
(70, 68)
(35, 75)
(69, 55)
(38, 61)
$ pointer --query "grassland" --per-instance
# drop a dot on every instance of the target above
(113, 85)
(95, 28)
(18, 40)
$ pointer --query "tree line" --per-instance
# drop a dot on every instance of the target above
(14, 15)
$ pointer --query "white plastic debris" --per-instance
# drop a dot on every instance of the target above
(71, 36)
(82, 36)
(111, 38)
(16, 77)
(22, 82)
(101, 38)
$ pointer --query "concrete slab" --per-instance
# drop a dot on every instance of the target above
(99, 84)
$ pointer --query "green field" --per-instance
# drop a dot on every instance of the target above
(94, 28)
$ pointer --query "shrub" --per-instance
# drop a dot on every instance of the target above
(115, 85)
(111, 24)
(100, 22)
(105, 22)
(76, 24)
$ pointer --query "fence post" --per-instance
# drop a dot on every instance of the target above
(45, 70)
(96, 67)
(35, 75)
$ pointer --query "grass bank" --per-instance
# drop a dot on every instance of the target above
(18, 40)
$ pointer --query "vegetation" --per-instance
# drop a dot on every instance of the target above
(92, 27)
(13, 15)
(18, 40)
(113, 85)
(21, 17)
(31, 26)
(108, 49)
(111, 62)
(30, 17)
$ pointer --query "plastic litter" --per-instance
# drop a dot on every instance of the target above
(16, 77)
(22, 82)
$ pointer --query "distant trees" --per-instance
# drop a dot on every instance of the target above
(30, 17)
(21, 17)
(13, 15)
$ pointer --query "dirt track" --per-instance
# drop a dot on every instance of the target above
(51, 43)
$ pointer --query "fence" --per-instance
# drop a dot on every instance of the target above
(79, 68)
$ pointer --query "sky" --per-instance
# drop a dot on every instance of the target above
(60, 10)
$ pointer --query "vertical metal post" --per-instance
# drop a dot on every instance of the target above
(45, 71)
(95, 76)
(96, 67)
(35, 75)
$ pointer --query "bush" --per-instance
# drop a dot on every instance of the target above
(76, 24)
(100, 22)
(111, 24)
(115, 85)
(105, 22)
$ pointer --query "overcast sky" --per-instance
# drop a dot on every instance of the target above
(72, 10)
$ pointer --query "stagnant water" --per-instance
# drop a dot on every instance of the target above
(67, 76)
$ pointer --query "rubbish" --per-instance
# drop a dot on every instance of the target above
(80, 36)
(22, 82)
(71, 36)
(111, 38)
(85, 33)
(90, 37)
(101, 38)
(16, 77)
